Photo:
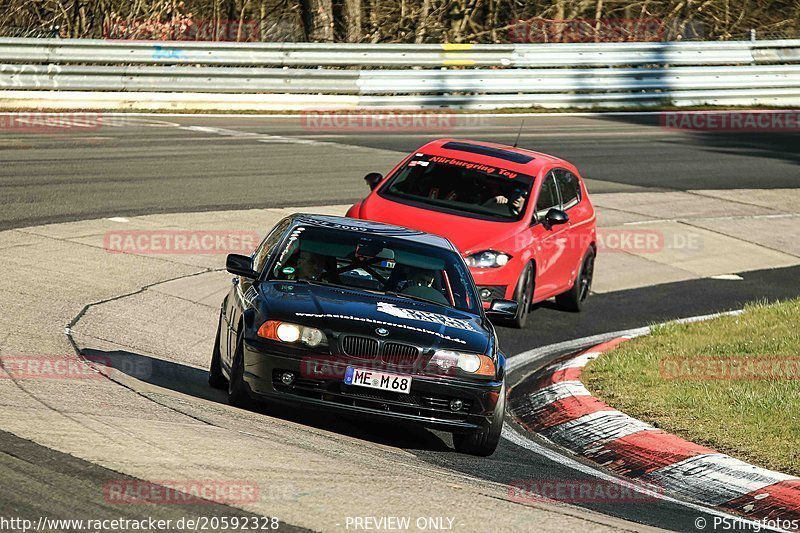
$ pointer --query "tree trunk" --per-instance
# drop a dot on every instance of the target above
(352, 20)
(318, 19)
(423, 21)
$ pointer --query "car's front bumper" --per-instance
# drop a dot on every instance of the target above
(427, 404)
(500, 282)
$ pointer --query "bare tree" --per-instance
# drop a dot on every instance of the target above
(459, 21)
(318, 19)
(352, 20)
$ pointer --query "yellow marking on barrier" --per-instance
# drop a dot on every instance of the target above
(450, 47)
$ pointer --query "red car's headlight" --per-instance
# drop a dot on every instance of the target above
(487, 259)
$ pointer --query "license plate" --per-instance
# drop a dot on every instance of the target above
(377, 380)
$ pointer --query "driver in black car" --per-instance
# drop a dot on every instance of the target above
(420, 283)
(310, 266)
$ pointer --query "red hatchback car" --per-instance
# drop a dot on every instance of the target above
(522, 219)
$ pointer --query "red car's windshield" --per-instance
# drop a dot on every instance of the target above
(461, 187)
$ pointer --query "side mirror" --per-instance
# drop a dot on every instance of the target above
(502, 309)
(241, 265)
(555, 217)
(373, 179)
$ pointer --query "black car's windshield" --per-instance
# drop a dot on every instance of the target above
(461, 187)
(375, 263)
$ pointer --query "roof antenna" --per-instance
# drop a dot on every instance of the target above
(519, 132)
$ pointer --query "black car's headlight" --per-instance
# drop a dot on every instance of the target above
(487, 259)
(291, 333)
(471, 363)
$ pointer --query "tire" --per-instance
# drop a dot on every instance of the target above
(524, 298)
(575, 298)
(237, 389)
(215, 376)
(484, 443)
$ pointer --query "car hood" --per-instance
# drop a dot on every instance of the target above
(469, 235)
(357, 312)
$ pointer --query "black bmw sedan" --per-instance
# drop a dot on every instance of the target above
(367, 319)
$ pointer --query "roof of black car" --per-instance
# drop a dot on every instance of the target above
(369, 227)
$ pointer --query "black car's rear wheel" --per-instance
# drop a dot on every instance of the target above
(215, 376)
(237, 389)
(485, 442)
(575, 298)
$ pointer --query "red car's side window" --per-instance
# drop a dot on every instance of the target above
(548, 197)
(569, 188)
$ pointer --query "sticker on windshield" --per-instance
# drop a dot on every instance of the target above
(424, 316)
(473, 166)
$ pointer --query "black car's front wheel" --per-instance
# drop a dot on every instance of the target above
(484, 443)
(215, 376)
(237, 391)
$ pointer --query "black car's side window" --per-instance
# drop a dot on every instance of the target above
(268, 244)
(569, 188)
(548, 197)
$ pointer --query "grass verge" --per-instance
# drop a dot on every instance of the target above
(732, 383)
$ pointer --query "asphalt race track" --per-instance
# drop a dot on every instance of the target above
(147, 164)
(170, 164)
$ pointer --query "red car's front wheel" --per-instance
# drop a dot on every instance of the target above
(524, 297)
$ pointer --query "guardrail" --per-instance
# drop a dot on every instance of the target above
(389, 75)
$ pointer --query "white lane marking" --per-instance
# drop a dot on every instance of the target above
(56, 121)
(714, 478)
(552, 393)
(384, 111)
(700, 219)
(594, 429)
(515, 437)
(118, 219)
(248, 135)
(529, 356)
(728, 277)
(576, 362)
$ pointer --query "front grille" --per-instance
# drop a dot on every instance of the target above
(391, 353)
(360, 347)
(397, 354)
